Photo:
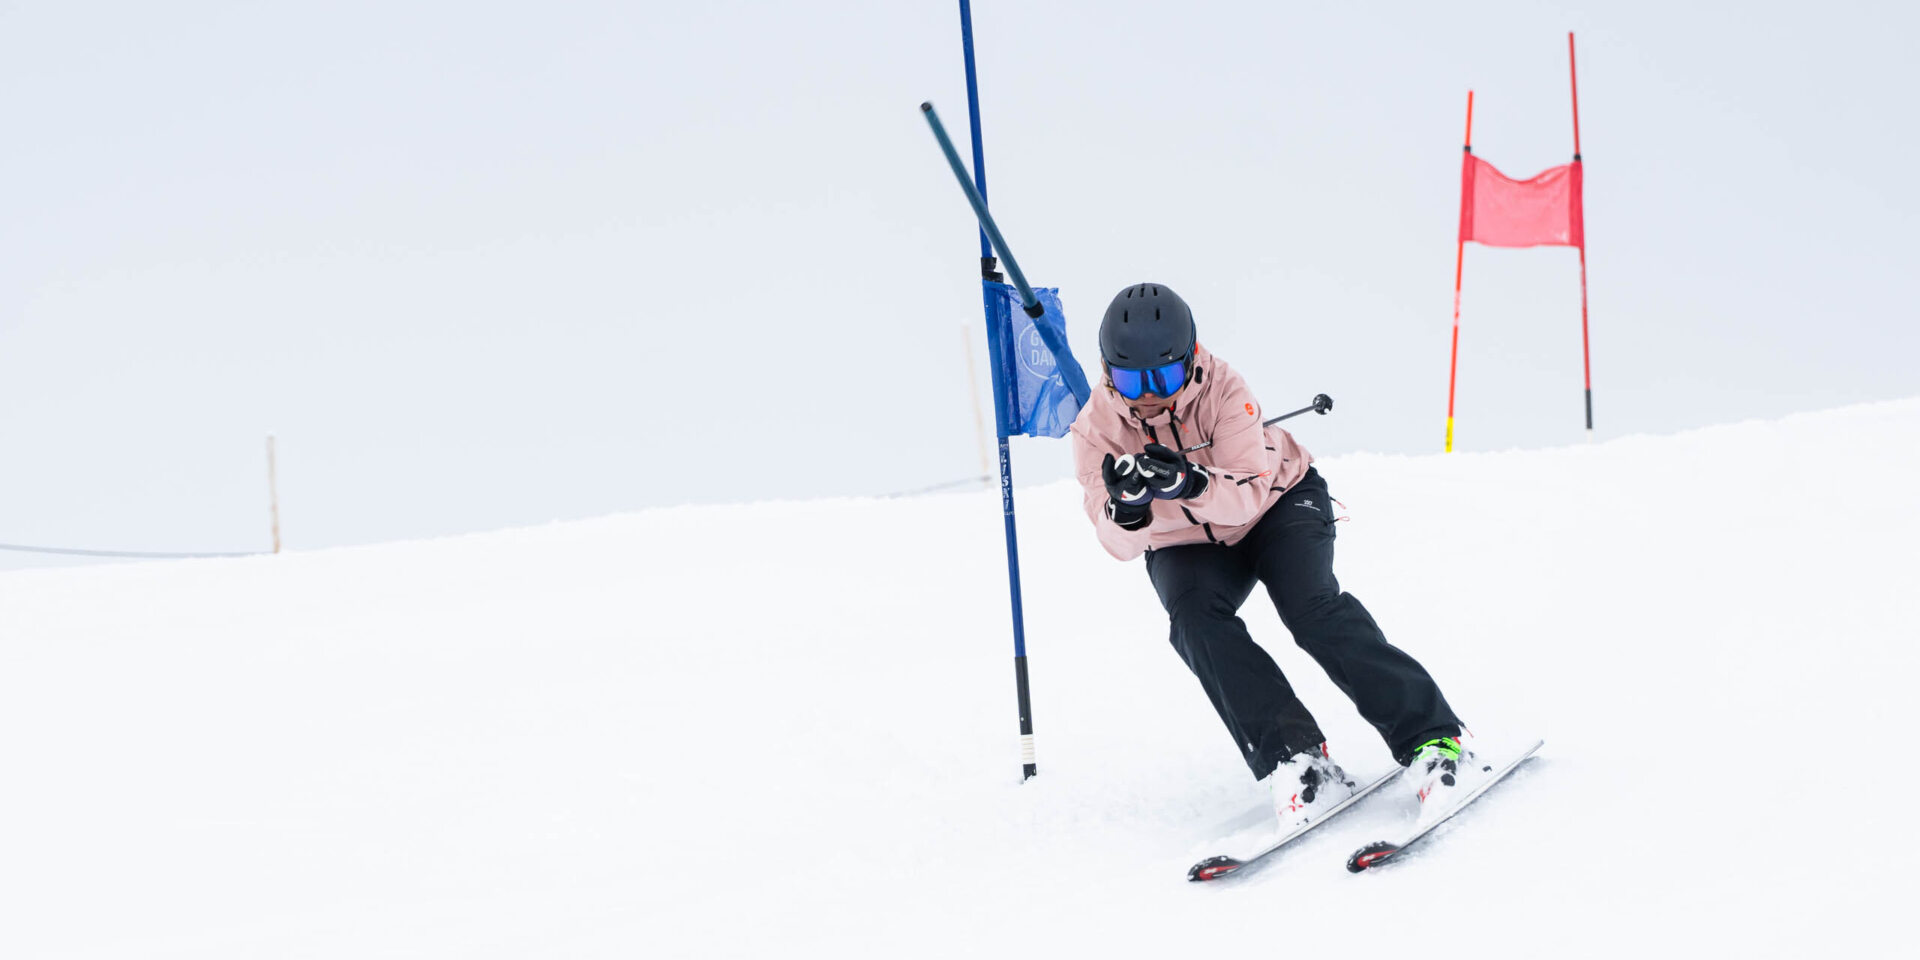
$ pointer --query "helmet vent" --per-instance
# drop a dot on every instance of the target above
(1156, 313)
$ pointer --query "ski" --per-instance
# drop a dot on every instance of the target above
(1386, 851)
(1213, 868)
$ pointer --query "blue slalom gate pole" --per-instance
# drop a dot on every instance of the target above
(979, 151)
(990, 241)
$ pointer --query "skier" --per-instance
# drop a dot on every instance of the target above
(1248, 508)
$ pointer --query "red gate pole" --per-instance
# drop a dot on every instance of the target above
(1459, 260)
(1586, 354)
(1573, 77)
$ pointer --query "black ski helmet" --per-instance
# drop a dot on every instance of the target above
(1146, 325)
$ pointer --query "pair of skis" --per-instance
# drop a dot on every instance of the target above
(1373, 854)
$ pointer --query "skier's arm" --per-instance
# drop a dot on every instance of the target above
(1122, 543)
(1241, 479)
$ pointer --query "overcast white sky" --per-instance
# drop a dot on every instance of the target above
(485, 264)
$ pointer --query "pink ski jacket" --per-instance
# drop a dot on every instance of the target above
(1250, 466)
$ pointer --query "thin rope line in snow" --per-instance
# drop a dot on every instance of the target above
(137, 554)
(983, 480)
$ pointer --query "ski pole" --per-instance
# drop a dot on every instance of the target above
(1320, 405)
(1028, 302)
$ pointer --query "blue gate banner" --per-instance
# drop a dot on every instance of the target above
(1038, 387)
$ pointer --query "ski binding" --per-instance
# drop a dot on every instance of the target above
(1385, 851)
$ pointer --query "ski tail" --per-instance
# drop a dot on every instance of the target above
(1370, 855)
(1213, 868)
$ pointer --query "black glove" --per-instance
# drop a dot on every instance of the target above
(1129, 502)
(1169, 474)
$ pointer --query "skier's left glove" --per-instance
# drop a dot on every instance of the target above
(1170, 475)
(1129, 501)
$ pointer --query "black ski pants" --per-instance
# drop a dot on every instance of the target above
(1290, 550)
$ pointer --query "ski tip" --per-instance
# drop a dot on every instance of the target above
(1213, 868)
(1371, 855)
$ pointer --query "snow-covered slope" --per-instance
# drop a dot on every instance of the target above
(789, 728)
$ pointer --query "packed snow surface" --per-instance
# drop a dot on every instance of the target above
(789, 728)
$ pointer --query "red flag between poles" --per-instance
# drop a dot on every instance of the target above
(1544, 210)
(1499, 211)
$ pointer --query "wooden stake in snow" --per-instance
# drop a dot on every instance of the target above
(973, 393)
(273, 494)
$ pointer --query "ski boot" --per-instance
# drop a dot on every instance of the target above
(1441, 772)
(1306, 785)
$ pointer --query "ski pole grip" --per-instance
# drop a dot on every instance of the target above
(1321, 404)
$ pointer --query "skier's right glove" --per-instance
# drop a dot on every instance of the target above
(1170, 474)
(1129, 502)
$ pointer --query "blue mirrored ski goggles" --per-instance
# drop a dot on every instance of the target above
(1164, 380)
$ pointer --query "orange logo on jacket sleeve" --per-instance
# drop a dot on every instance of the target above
(1249, 409)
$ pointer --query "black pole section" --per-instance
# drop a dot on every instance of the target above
(1029, 765)
(1321, 405)
(1028, 301)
